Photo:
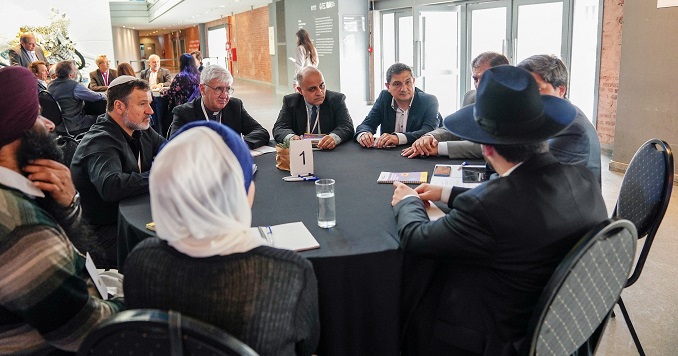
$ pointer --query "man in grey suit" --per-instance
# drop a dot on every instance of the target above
(27, 52)
(155, 76)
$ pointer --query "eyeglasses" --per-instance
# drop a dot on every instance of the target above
(221, 90)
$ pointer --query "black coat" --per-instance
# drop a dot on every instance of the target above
(334, 117)
(233, 115)
(473, 277)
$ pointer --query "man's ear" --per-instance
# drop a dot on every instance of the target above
(298, 87)
(488, 151)
(119, 106)
(386, 85)
(561, 91)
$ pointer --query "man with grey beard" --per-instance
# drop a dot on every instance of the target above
(114, 159)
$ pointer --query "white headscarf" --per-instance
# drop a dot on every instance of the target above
(197, 198)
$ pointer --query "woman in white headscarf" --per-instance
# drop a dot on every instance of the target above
(206, 263)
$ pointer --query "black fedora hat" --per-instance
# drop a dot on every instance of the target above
(510, 111)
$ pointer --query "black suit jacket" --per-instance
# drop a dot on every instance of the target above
(473, 277)
(422, 117)
(96, 79)
(233, 115)
(334, 117)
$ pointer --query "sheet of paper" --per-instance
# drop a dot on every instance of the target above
(454, 180)
(262, 150)
(434, 212)
(94, 274)
(291, 236)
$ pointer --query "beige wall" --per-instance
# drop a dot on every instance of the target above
(647, 104)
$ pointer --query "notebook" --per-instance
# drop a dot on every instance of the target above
(291, 236)
(404, 177)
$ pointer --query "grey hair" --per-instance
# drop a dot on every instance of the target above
(551, 69)
(154, 56)
(216, 72)
(64, 69)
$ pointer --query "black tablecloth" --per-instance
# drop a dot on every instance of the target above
(358, 264)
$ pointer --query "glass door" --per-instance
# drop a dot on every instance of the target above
(438, 54)
(537, 28)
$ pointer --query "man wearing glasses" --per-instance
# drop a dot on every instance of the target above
(403, 111)
(314, 110)
(215, 103)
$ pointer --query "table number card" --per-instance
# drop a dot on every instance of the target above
(301, 157)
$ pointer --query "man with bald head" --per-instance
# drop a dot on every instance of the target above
(45, 305)
(155, 76)
(27, 52)
(313, 109)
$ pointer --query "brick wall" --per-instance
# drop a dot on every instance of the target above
(613, 16)
(250, 38)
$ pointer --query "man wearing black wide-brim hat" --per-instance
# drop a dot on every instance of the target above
(472, 278)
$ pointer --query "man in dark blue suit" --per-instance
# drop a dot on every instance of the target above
(473, 277)
(314, 110)
(403, 111)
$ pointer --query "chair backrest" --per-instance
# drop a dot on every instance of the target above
(68, 146)
(50, 107)
(156, 332)
(645, 193)
(579, 297)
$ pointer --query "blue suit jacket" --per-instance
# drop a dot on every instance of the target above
(422, 118)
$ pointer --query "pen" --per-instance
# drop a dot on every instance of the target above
(270, 233)
(264, 235)
(462, 164)
(299, 179)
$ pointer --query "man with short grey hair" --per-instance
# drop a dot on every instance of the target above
(71, 97)
(215, 103)
(155, 76)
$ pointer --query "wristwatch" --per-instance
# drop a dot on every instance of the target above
(76, 201)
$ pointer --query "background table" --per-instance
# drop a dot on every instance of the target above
(359, 262)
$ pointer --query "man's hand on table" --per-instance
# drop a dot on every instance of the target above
(366, 140)
(426, 145)
(327, 143)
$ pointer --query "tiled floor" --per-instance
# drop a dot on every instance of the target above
(652, 302)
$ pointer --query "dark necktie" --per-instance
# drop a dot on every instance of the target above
(314, 116)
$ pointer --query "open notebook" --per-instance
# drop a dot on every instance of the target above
(291, 236)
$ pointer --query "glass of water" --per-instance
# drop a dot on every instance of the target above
(327, 213)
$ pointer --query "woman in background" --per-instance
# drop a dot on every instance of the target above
(184, 86)
(198, 59)
(125, 68)
(306, 53)
(206, 263)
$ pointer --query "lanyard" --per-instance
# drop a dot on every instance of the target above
(207, 117)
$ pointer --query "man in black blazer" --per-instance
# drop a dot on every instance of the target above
(100, 78)
(215, 103)
(314, 110)
(403, 111)
(473, 277)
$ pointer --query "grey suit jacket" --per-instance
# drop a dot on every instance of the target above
(96, 79)
(19, 57)
(164, 76)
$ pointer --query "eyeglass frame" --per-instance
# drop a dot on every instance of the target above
(221, 90)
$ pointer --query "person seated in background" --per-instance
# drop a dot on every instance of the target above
(206, 263)
(314, 110)
(45, 305)
(576, 144)
(52, 71)
(26, 52)
(113, 159)
(125, 68)
(198, 59)
(100, 78)
(441, 141)
(157, 77)
(216, 104)
(72, 96)
(474, 276)
(184, 85)
(403, 112)
(39, 69)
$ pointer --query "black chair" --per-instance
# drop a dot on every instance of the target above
(576, 303)
(643, 199)
(51, 109)
(156, 332)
